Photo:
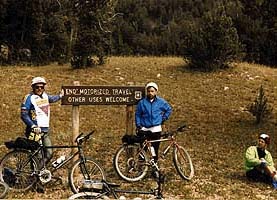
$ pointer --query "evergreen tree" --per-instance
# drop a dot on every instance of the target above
(36, 28)
(257, 30)
(56, 30)
(213, 42)
(94, 30)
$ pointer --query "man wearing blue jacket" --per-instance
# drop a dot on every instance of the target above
(151, 112)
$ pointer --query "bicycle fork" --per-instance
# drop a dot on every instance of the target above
(165, 151)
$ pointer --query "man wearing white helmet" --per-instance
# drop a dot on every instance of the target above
(151, 112)
(35, 112)
(259, 164)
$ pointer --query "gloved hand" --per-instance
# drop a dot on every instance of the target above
(61, 93)
(138, 129)
(275, 178)
(36, 129)
(263, 162)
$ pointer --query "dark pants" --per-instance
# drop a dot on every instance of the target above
(151, 136)
(257, 174)
(47, 142)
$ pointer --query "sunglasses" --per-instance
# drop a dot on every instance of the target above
(39, 87)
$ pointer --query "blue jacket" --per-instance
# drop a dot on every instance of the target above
(251, 159)
(149, 114)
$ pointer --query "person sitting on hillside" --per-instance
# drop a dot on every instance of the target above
(259, 165)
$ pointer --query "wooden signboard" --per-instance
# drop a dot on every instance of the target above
(102, 95)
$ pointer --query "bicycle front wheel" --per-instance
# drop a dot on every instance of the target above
(82, 170)
(4, 188)
(87, 195)
(183, 162)
(17, 170)
(131, 163)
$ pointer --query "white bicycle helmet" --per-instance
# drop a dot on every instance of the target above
(265, 137)
(38, 80)
(151, 84)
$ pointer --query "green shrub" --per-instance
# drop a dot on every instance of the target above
(260, 107)
(211, 43)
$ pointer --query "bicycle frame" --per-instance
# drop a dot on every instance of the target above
(171, 138)
(172, 143)
(40, 151)
(109, 189)
(115, 191)
(156, 192)
(68, 158)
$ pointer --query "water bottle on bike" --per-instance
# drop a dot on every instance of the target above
(58, 161)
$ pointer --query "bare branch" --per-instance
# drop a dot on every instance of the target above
(59, 3)
(108, 20)
(102, 29)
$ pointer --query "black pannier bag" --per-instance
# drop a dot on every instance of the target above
(132, 139)
(22, 143)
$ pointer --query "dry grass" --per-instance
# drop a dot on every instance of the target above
(212, 104)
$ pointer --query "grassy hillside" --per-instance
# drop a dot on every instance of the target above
(219, 128)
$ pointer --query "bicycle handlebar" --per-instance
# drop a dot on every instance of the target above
(80, 139)
(181, 128)
(170, 133)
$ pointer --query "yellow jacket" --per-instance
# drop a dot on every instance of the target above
(251, 159)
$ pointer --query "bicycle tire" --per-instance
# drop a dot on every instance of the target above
(4, 188)
(17, 169)
(77, 173)
(183, 162)
(128, 165)
(87, 195)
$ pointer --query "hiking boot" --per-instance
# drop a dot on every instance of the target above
(39, 188)
(274, 184)
(155, 174)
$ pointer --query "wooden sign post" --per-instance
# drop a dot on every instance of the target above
(129, 119)
(75, 120)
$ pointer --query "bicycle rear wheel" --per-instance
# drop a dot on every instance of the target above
(17, 170)
(84, 170)
(131, 163)
(183, 162)
(4, 188)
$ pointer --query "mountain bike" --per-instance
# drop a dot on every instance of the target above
(4, 188)
(25, 165)
(104, 190)
(134, 158)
